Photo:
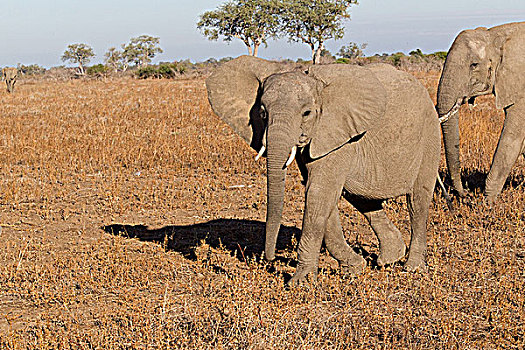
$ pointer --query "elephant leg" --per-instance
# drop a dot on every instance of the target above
(391, 245)
(510, 145)
(336, 245)
(325, 183)
(418, 206)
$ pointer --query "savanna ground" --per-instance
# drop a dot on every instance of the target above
(133, 218)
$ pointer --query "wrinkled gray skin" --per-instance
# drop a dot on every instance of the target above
(10, 74)
(484, 61)
(372, 131)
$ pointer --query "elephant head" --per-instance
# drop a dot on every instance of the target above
(233, 92)
(318, 110)
(479, 62)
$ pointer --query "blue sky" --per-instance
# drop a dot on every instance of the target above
(38, 31)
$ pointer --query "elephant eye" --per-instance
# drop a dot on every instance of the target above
(474, 65)
(306, 113)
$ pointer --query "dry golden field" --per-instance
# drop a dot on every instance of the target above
(133, 218)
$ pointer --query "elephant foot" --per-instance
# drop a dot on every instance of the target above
(355, 268)
(303, 273)
(489, 200)
(391, 252)
(461, 193)
(416, 264)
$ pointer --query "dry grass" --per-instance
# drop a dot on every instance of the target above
(132, 218)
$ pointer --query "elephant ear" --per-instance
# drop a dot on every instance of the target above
(353, 101)
(233, 92)
(509, 86)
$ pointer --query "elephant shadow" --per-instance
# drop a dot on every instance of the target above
(244, 239)
(475, 181)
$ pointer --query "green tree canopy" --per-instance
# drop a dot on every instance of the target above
(417, 53)
(113, 59)
(251, 21)
(352, 50)
(79, 54)
(314, 21)
(141, 50)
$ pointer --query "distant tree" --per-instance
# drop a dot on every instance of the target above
(395, 58)
(327, 53)
(141, 50)
(97, 70)
(326, 56)
(79, 54)
(114, 60)
(352, 50)
(314, 21)
(417, 53)
(442, 55)
(164, 70)
(251, 21)
(32, 69)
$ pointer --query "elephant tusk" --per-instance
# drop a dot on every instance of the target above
(261, 152)
(292, 156)
(450, 114)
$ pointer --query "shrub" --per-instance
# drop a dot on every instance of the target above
(302, 61)
(396, 58)
(417, 53)
(164, 70)
(146, 72)
(442, 55)
(343, 60)
(352, 50)
(97, 69)
(32, 69)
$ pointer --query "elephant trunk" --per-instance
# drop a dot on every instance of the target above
(450, 130)
(452, 84)
(279, 147)
(452, 93)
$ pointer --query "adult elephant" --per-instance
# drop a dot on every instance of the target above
(10, 74)
(372, 131)
(484, 61)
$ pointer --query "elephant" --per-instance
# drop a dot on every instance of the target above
(10, 74)
(370, 134)
(485, 61)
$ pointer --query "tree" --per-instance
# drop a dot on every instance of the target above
(32, 69)
(251, 21)
(417, 53)
(352, 50)
(114, 59)
(80, 54)
(441, 55)
(314, 21)
(141, 50)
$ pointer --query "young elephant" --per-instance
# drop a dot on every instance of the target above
(372, 131)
